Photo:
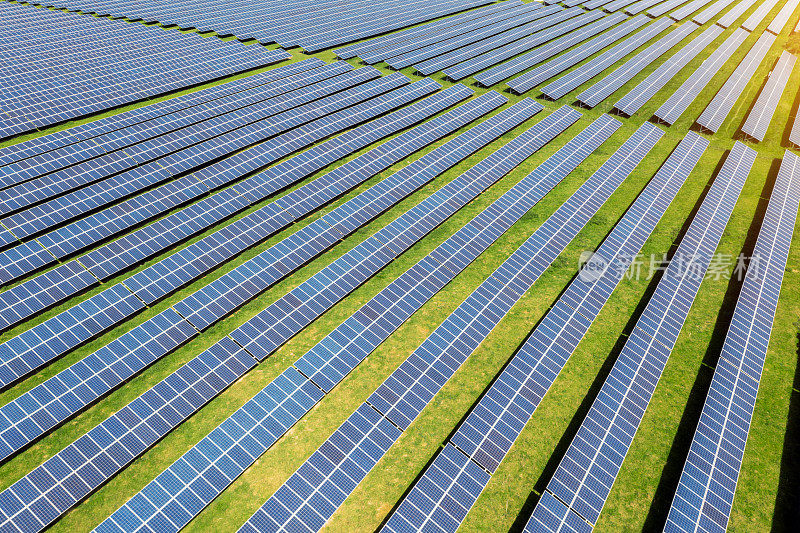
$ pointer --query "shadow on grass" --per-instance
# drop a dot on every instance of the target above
(787, 502)
(670, 474)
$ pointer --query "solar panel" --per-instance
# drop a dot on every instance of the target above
(782, 18)
(616, 5)
(198, 145)
(641, 6)
(433, 37)
(764, 108)
(668, 6)
(492, 426)
(53, 141)
(626, 72)
(531, 79)
(578, 77)
(463, 54)
(721, 105)
(531, 12)
(91, 76)
(586, 473)
(737, 11)
(37, 411)
(493, 57)
(647, 89)
(167, 275)
(708, 481)
(715, 9)
(671, 110)
(794, 135)
(358, 49)
(759, 14)
(688, 9)
(251, 420)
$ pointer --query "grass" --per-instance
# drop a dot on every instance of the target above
(644, 488)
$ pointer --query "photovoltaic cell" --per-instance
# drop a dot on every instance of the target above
(723, 102)
(586, 473)
(764, 108)
(708, 481)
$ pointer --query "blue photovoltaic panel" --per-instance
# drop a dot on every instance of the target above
(669, 5)
(794, 135)
(723, 102)
(707, 484)
(23, 354)
(274, 263)
(671, 110)
(49, 80)
(66, 478)
(578, 77)
(585, 475)
(466, 54)
(367, 101)
(688, 9)
(359, 49)
(736, 11)
(715, 9)
(622, 75)
(285, 509)
(763, 9)
(53, 141)
(493, 57)
(782, 18)
(433, 37)
(530, 12)
(491, 428)
(616, 5)
(764, 108)
(640, 6)
(246, 420)
(534, 57)
(66, 168)
(157, 162)
(647, 89)
(531, 79)
(45, 406)
(110, 259)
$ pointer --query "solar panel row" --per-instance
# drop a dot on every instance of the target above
(578, 77)
(586, 473)
(687, 10)
(647, 89)
(759, 14)
(711, 12)
(735, 13)
(720, 106)
(39, 145)
(677, 104)
(432, 37)
(436, 501)
(83, 233)
(56, 172)
(532, 12)
(271, 265)
(669, 5)
(782, 18)
(295, 23)
(493, 57)
(764, 107)
(544, 72)
(794, 135)
(251, 422)
(55, 336)
(616, 5)
(40, 92)
(641, 6)
(623, 74)
(707, 484)
(336, 468)
(464, 54)
(358, 49)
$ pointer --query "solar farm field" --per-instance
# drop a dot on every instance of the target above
(400, 266)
